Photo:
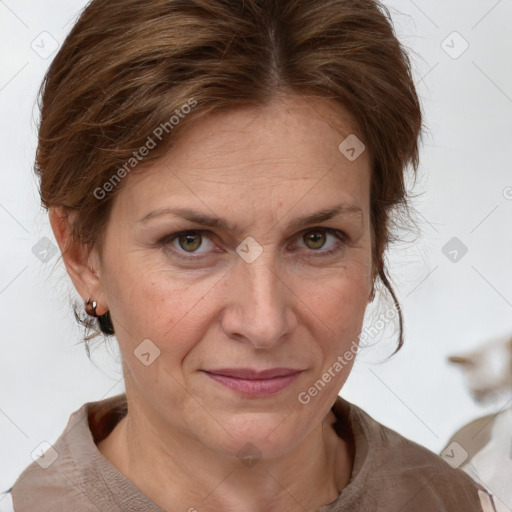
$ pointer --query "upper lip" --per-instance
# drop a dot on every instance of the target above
(249, 373)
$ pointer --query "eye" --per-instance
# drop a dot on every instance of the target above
(315, 239)
(188, 242)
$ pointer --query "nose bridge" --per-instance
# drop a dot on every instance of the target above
(262, 302)
(263, 284)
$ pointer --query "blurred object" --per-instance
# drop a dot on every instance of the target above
(486, 442)
(488, 369)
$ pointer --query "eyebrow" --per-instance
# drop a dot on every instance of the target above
(214, 221)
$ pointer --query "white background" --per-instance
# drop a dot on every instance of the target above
(449, 307)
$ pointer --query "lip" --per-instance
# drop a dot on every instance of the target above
(249, 373)
(253, 382)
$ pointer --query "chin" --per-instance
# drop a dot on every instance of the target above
(255, 435)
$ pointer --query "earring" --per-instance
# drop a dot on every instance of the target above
(90, 307)
(372, 296)
(104, 320)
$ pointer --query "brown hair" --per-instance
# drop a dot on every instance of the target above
(128, 66)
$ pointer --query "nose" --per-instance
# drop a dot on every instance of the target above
(259, 306)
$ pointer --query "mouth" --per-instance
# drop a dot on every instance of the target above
(255, 383)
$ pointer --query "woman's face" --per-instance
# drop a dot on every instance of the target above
(271, 292)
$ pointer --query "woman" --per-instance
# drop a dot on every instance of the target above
(220, 177)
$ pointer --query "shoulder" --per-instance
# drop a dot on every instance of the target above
(47, 489)
(48, 480)
(474, 436)
(395, 469)
(69, 471)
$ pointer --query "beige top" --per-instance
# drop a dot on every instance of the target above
(390, 473)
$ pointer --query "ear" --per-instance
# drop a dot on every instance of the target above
(82, 264)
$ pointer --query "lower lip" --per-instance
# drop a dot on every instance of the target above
(255, 387)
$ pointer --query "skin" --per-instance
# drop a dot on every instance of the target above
(292, 307)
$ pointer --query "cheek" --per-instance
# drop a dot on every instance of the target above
(157, 305)
(336, 313)
(339, 300)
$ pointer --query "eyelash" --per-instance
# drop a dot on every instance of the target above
(342, 237)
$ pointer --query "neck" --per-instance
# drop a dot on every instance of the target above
(178, 472)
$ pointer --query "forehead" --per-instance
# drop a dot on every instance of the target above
(284, 151)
